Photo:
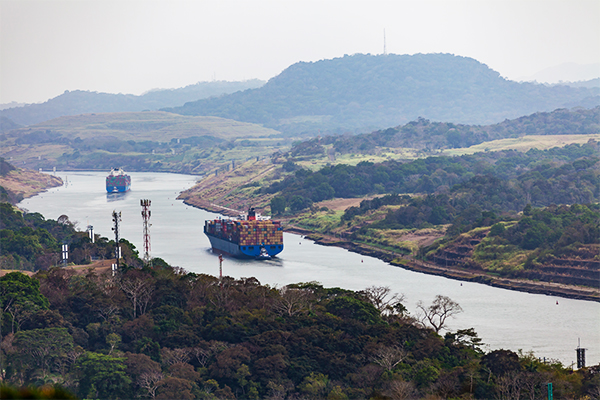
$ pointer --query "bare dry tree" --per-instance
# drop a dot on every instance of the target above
(138, 290)
(203, 355)
(389, 356)
(439, 311)
(107, 311)
(175, 356)
(150, 381)
(509, 386)
(400, 390)
(291, 301)
(382, 299)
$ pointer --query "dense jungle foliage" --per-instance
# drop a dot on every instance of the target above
(495, 181)
(162, 333)
(359, 93)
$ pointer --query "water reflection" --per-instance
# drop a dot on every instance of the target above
(118, 196)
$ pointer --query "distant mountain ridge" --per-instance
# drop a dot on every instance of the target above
(360, 93)
(80, 102)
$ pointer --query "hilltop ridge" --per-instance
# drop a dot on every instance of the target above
(361, 93)
(81, 101)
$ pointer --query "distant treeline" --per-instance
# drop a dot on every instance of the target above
(423, 134)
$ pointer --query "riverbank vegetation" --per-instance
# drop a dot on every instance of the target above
(163, 333)
(473, 205)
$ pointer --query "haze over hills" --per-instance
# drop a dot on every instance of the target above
(570, 72)
(360, 93)
(80, 102)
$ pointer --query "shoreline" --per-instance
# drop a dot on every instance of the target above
(534, 287)
(539, 287)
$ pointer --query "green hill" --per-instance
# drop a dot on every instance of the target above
(365, 92)
(80, 101)
(149, 125)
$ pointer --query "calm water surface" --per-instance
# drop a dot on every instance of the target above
(504, 319)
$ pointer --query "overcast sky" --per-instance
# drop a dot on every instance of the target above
(127, 46)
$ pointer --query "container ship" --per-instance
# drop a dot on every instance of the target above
(249, 237)
(118, 181)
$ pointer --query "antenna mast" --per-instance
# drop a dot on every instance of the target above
(384, 47)
(146, 217)
(116, 219)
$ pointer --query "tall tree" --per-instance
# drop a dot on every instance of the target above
(442, 308)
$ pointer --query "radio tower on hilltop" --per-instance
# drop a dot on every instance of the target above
(146, 216)
(384, 44)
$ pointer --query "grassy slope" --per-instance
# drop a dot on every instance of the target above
(250, 140)
(231, 192)
(541, 142)
(26, 183)
(150, 125)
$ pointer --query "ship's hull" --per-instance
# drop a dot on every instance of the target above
(117, 189)
(247, 251)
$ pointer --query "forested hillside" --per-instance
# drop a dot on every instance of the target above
(364, 92)
(80, 102)
(161, 333)
(30, 242)
(423, 134)
(474, 202)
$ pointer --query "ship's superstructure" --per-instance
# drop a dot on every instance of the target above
(251, 237)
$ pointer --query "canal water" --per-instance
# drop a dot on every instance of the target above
(548, 326)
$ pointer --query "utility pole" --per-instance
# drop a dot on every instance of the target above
(221, 270)
(384, 44)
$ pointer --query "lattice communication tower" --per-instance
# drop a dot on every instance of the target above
(146, 217)
(116, 220)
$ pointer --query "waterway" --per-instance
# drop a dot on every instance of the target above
(548, 326)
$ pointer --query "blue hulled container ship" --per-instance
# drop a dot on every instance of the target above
(249, 237)
(118, 181)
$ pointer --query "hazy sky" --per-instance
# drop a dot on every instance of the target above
(128, 46)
